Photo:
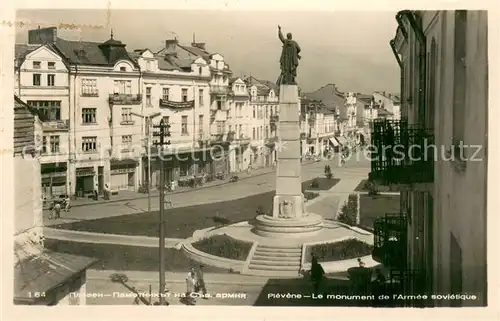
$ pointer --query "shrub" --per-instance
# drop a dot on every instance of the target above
(314, 183)
(310, 195)
(372, 188)
(224, 246)
(348, 213)
(343, 250)
(329, 175)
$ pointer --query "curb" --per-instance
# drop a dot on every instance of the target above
(178, 192)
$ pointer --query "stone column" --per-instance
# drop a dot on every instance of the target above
(289, 200)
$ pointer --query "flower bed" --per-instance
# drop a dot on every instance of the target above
(348, 214)
(310, 195)
(338, 251)
(367, 186)
(224, 246)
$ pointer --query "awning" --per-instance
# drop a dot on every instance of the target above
(46, 271)
(334, 142)
(342, 140)
(123, 162)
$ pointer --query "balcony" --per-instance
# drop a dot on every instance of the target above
(222, 138)
(219, 90)
(389, 240)
(401, 152)
(176, 105)
(243, 140)
(125, 99)
(55, 126)
(271, 140)
(274, 119)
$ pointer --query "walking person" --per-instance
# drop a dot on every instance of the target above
(317, 274)
(67, 203)
(200, 282)
(190, 288)
(57, 210)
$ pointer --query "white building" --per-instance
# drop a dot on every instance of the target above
(318, 127)
(264, 108)
(239, 123)
(178, 91)
(41, 277)
(42, 81)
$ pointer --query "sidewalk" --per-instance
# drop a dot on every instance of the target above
(132, 195)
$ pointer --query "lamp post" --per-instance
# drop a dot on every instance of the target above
(148, 126)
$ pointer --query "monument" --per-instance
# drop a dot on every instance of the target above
(288, 217)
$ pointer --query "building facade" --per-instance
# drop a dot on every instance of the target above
(443, 225)
(264, 109)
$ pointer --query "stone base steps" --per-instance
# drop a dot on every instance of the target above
(275, 261)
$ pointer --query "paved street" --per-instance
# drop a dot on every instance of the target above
(354, 168)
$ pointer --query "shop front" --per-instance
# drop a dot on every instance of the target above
(54, 180)
(85, 181)
(123, 174)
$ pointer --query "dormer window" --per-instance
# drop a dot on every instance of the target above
(37, 65)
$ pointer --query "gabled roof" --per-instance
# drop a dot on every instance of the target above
(331, 97)
(263, 86)
(383, 112)
(90, 53)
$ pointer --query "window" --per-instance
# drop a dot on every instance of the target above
(148, 97)
(165, 94)
(219, 105)
(54, 144)
(241, 130)
(166, 119)
(267, 131)
(122, 87)
(44, 145)
(432, 85)
(184, 125)
(50, 109)
(89, 116)
(37, 65)
(253, 133)
(89, 144)
(51, 65)
(220, 127)
(459, 77)
(126, 115)
(184, 94)
(200, 124)
(127, 139)
(200, 97)
(230, 128)
(37, 80)
(51, 80)
(267, 111)
(254, 111)
(123, 69)
(89, 87)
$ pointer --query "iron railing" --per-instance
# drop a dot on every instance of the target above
(125, 99)
(402, 153)
(390, 240)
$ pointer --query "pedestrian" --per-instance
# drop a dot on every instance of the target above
(106, 192)
(57, 210)
(200, 282)
(67, 204)
(190, 285)
(317, 274)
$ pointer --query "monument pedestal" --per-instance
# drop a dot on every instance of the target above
(289, 218)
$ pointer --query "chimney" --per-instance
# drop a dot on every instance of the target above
(200, 45)
(41, 36)
(171, 45)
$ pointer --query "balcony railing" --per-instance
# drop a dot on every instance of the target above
(221, 138)
(125, 99)
(389, 240)
(401, 153)
(219, 90)
(274, 119)
(176, 104)
(271, 140)
(243, 139)
(55, 125)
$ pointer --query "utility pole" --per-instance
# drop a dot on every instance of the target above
(162, 131)
(147, 132)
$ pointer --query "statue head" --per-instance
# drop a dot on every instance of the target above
(289, 36)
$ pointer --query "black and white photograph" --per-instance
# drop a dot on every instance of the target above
(266, 158)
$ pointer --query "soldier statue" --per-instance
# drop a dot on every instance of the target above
(289, 60)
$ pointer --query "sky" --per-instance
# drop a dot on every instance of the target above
(349, 49)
